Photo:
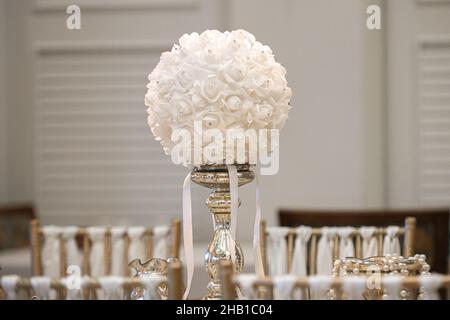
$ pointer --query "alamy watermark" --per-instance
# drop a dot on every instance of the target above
(230, 146)
(373, 21)
(73, 21)
(73, 278)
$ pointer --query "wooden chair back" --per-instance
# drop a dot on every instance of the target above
(37, 240)
(264, 287)
(406, 233)
(431, 235)
(174, 283)
(14, 222)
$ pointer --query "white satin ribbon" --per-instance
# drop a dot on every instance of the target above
(188, 233)
(160, 236)
(369, 243)
(346, 247)
(9, 284)
(277, 250)
(136, 248)
(97, 236)
(392, 285)
(257, 255)
(284, 286)
(299, 259)
(232, 174)
(74, 256)
(188, 226)
(431, 284)
(151, 283)
(112, 287)
(85, 281)
(50, 251)
(245, 282)
(41, 287)
(234, 198)
(118, 251)
(325, 251)
(319, 286)
(391, 243)
(354, 287)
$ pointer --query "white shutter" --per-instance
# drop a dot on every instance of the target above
(96, 161)
(434, 121)
(95, 152)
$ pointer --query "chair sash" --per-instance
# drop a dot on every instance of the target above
(112, 287)
(319, 286)
(391, 243)
(51, 251)
(246, 282)
(118, 251)
(431, 284)
(299, 259)
(354, 287)
(160, 236)
(284, 286)
(136, 249)
(41, 287)
(392, 285)
(73, 254)
(369, 241)
(9, 285)
(277, 250)
(97, 236)
(151, 283)
(73, 285)
(346, 247)
(325, 251)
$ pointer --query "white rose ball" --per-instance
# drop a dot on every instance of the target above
(224, 80)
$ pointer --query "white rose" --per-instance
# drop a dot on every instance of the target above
(165, 83)
(210, 89)
(198, 101)
(168, 58)
(190, 41)
(264, 111)
(262, 85)
(211, 120)
(185, 78)
(241, 40)
(151, 98)
(184, 107)
(233, 103)
(234, 72)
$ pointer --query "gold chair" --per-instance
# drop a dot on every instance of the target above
(14, 221)
(37, 239)
(431, 232)
(264, 287)
(406, 234)
(174, 282)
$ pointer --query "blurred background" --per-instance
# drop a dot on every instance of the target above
(369, 127)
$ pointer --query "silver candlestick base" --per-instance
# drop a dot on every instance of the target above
(219, 203)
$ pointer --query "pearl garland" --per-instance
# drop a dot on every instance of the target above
(389, 264)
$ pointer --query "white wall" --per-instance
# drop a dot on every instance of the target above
(95, 159)
(332, 148)
(418, 42)
(19, 91)
(3, 107)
